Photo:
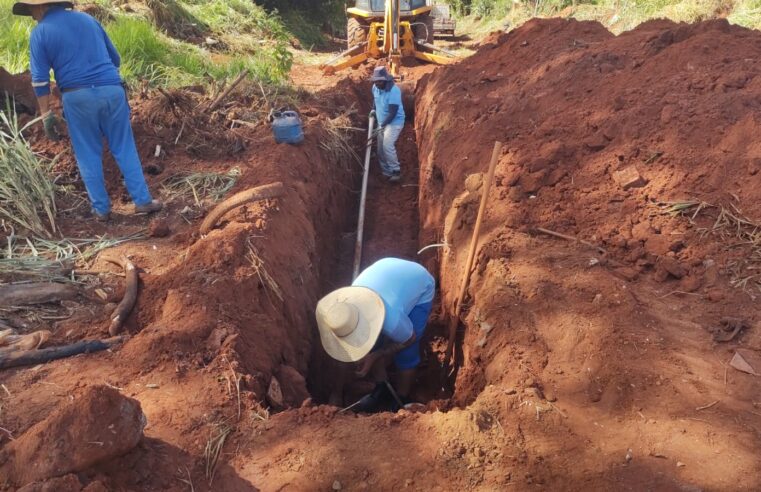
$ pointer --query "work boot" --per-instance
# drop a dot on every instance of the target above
(149, 208)
(101, 217)
(395, 177)
(379, 399)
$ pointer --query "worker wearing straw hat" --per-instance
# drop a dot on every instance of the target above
(86, 66)
(381, 316)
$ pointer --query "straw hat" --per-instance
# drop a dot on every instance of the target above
(350, 320)
(22, 8)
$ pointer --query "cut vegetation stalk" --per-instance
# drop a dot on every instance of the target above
(124, 308)
(34, 357)
(273, 190)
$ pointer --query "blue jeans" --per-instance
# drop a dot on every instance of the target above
(409, 358)
(91, 114)
(389, 162)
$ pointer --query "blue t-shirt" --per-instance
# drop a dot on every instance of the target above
(402, 285)
(382, 101)
(76, 47)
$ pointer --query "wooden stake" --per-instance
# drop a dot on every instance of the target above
(227, 91)
(455, 320)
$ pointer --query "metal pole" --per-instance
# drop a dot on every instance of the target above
(362, 199)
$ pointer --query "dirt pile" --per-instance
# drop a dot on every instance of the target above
(18, 88)
(221, 317)
(99, 425)
(601, 133)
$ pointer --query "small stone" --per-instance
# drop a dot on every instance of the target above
(408, 482)
(679, 464)
(597, 299)
(715, 295)
(275, 394)
(629, 455)
(691, 283)
(629, 177)
(473, 182)
(337, 485)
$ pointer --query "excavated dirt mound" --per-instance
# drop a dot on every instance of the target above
(580, 368)
(18, 89)
(221, 319)
(613, 352)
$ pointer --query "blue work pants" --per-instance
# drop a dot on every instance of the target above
(91, 114)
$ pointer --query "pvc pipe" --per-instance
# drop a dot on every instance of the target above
(362, 199)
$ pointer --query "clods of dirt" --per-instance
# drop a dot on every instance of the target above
(97, 426)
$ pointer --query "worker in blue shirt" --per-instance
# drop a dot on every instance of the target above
(389, 112)
(380, 318)
(86, 67)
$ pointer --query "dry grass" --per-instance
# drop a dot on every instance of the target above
(52, 259)
(269, 283)
(336, 139)
(260, 412)
(200, 186)
(214, 448)
(731, 227)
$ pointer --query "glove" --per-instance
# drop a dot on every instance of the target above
(372, 114)
(52, 126)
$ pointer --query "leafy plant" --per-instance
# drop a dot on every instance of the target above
(27, 194)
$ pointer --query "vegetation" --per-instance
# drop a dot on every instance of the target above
(27, 195)
(480, 16)
(225, 36)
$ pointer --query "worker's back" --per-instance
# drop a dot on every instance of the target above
(400, 283)
(76, 47)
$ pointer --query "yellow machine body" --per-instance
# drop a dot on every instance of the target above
(391, 38)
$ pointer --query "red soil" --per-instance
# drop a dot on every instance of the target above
(566, 364)
(623, 346)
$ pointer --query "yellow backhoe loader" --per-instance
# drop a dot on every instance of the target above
(391, 29)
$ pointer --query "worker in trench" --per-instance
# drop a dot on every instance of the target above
(378, 320)
(86, 68)
(389, 112)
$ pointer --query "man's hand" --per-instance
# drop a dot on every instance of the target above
(52, 126)
(367, 364)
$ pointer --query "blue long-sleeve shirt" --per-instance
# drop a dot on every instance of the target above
(78, 50)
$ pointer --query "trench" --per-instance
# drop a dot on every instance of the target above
(391, 229)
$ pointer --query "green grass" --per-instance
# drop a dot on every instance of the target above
(14, 39)
(256, 40)
(479, 17)
(27, 194)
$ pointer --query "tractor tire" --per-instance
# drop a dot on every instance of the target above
(356, 32)
(424, 32)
